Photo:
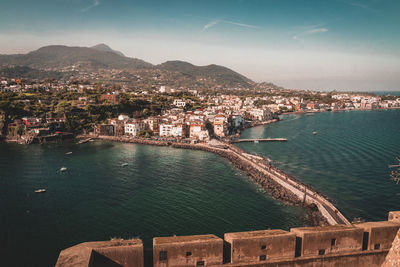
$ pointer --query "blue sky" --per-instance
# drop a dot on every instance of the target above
(307, 44)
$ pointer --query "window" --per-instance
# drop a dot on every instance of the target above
(377, 246)
(333, 242)
(163, 256)
(263, 247)
(321, 252)
(188, 254)
(200, 263)
(263, 257)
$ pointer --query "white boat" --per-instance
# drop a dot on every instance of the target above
(256, 142)
(68, 153)
(40, 190)
(124, 164)
(63, 169)
(314, 133)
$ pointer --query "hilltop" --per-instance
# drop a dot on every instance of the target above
(59, 56)
(106, 48)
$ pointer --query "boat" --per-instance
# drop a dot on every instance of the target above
(63, 169)
(310, 114)
(40, 190)
(124, 164)
(68, 153)
(255, 141)
(314, 133)
(84, 141)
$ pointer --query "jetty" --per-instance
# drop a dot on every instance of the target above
(261, 140)
(294, 187)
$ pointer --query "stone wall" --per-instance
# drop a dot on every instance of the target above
(342, 245)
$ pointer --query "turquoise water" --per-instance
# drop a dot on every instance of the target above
(347, 160)
(387, 93)
(163, 191)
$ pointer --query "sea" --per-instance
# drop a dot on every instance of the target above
(165, 191)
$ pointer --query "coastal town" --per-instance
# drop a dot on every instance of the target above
(39, 111)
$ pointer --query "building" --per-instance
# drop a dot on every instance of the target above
(132, 127)
(326, 240)
(31, 122)
(110, 98)
(165, 130)
(198, 131)
(152, 124)
(197, 250)
(105, 129)
(237, 120)
(179, 103)
(261, 245)
(220, 128)
(179, 130)
(261, 114)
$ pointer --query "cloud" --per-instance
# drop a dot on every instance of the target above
(309, 32)
(94, 4)
(357, 4)
(314, 31)
(241, 24)
(214, 22)
(211, 24)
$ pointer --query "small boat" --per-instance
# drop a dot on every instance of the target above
(63, 169)
(40, 190)
(310, 114)
(91, 140)
(256, 142)
(314, 133)
(124, 164)
(68, 153)
(84, 141)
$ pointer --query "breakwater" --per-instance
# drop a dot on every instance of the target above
(279, 184)
(261, 140)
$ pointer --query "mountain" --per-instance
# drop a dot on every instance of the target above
(219, 74)
(175, 73)
(106, 48)
(59, 56)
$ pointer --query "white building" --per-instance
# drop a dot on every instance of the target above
(165, 129)
(123, 117)
(179, 103)
(261, 114)
(132, 127)
(178, 130)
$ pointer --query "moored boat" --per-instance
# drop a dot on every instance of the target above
(40, 190)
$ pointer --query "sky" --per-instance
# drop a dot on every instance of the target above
(299, 44)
